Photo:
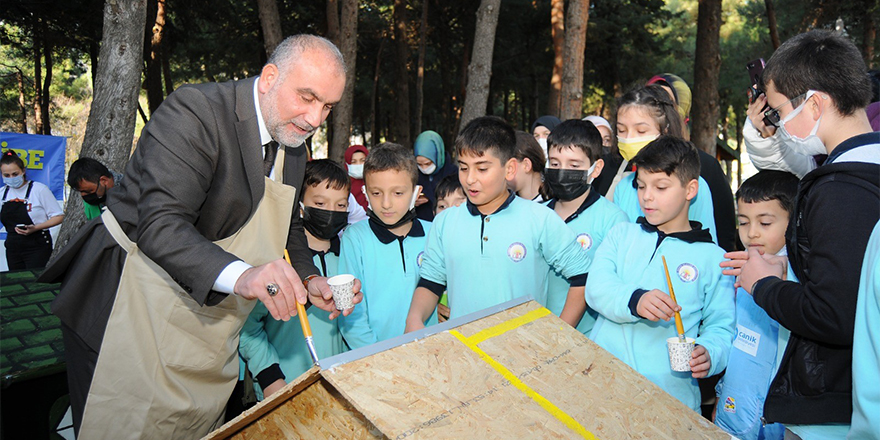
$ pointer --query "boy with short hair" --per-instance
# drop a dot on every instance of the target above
(449, 194)
(93, 180)
(817, 89)
(575, 147)
(764, 203)
(385, 251)
(275, 351)
(627, 283)
(498, 247)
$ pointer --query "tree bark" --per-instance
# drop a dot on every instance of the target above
(771, 22)
(480, 69)
(270, 21)
(402, 115)
(38, 78)
(45, 97)
(22, 121)
(342, 112)
(332, 20)
(572, 94)
(707, 66)
(374, 107)
(557, 33)
(420, 78)
(110, 127)
(155, 91)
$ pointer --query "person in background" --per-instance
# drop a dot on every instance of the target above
(29, 210)
(610, 154)
(274, 350)
(435, 163)
(866, 350)
(93, 180)
(765, 203)
(355, 156)
(530, 164)
(710, 169)
(542, 127)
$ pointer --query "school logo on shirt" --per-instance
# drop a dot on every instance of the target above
(420, 258)
(730, 404)
(585, 241)
(687, 272)
(516, 252)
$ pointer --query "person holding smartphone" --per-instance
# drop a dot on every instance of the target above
(29, 210)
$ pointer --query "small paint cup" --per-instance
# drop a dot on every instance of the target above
(342, 287)
(680, 353)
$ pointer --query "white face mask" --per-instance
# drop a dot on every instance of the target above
(809, 146)
(428, 170)
(412, 202)
(543, 143)
(356, 171)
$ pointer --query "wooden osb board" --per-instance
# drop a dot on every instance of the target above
(307, 408)
(564, 386)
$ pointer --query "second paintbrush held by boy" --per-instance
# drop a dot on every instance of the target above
(385, 252)
(497, 247)
(627, 285)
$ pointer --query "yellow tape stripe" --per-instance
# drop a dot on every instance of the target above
(539, 399)
(508, 325)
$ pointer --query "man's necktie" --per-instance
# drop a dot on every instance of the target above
(269, 158)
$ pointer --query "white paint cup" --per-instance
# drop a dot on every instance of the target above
(680, 353)
(342, 287)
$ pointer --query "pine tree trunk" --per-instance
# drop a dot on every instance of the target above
(110, 127)
(270, 21)
(38, 79)
(572, 95)
(332, 20)
(155, 91)
(707, 66)
(557, 33)
(401, 109)
(420, 79)
(342, 112)
(22, 120)
(374, 101)
(480, 69)
(771, 22)
(45, 98)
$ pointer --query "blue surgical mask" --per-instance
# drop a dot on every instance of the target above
(14, 182)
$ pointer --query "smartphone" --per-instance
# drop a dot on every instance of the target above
(755, 69)
(21, 225)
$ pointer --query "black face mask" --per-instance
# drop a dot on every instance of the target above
(567, 184)
(93, 199)
(606, 150)
(408, 217)
(324, 224)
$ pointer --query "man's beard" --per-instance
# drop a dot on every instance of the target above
(280, 130)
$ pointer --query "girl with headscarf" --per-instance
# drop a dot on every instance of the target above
(355, 156)
(434, 164)
(542, 128)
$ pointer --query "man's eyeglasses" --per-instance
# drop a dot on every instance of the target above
(772, 115)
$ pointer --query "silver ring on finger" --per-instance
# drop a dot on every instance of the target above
(272, 288)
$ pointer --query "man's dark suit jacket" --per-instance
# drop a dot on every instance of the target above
(195, 177)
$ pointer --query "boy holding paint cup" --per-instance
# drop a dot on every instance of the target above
(628, 286)
(385, 252)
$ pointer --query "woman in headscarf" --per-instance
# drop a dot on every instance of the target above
(355, 156)
(434, 164)
(542, 128)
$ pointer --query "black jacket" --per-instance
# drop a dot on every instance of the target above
(837, 206)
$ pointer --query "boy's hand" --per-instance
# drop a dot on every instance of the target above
(759, 267)
(321, 296)
(656, 305)
(756, 114)
(734, 262)
(700, 362)
(442, 313)
(273, 388)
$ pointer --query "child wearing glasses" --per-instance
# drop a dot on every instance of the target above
(817, 88)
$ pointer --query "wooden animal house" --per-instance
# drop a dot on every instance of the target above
(509, 372)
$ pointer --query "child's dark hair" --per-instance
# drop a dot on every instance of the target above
(11, 157)
(822, 61)
(448, 185)
(575, 133)
(321, 170)
(659, 105)
(484, 134)
(770, 185)
(669, 155)
(527, 147)
(88, 169)
(391, 156)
